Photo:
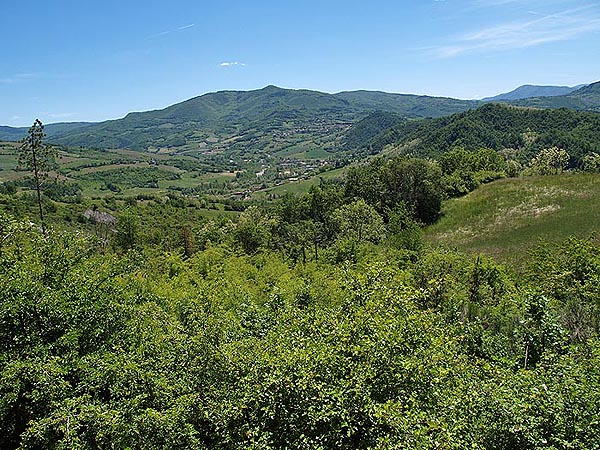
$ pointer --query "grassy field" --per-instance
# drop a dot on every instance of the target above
(302, 186)
(507, 217)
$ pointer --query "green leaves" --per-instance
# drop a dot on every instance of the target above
(226, 350)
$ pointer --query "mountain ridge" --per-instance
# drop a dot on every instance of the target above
(208, 120)
(531, 90)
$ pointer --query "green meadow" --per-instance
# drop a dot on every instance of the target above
(508, 217)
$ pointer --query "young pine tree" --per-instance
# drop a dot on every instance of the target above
(37, 157)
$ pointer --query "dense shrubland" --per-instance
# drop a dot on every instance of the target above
(394, 349)
(318, 320)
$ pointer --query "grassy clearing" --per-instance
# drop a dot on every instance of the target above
(506, 218)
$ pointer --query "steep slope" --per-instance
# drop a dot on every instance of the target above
(529, 90)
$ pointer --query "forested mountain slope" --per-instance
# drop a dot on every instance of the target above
(496, 126)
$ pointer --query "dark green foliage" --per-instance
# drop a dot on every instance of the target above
(407, 105)
(498, 126)
(63, 192)
(413, 182)
(368, 128)
(8, 187)
(130, 177)
(38, 158)
(464, 171)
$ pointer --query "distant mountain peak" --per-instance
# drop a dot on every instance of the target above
(272, 87)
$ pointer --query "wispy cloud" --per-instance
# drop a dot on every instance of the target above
(61, 115)
(513, 3)
(174, 30)
(234, 63)
(561, 26)
(499, 2)
(19, 77)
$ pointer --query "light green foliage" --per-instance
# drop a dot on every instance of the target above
(253, 230)
(513, 168)
(591, 162)
(218, 348)
(549, 161)
(127, 232)
(402, 229)
(359, 222)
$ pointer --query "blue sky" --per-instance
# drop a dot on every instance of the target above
(95, 60)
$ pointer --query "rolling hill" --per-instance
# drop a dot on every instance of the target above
(290, 123)
(216, 117)
(51, 130)
(408, 105)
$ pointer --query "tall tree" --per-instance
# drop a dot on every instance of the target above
(37, 157)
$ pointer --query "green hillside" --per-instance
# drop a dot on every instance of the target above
(407, 104)
(221, 120)
(508, 217)
(496, 126)
(212, 120)
(220, 114)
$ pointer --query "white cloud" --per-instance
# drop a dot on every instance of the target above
(561, 26)
(234, 63)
